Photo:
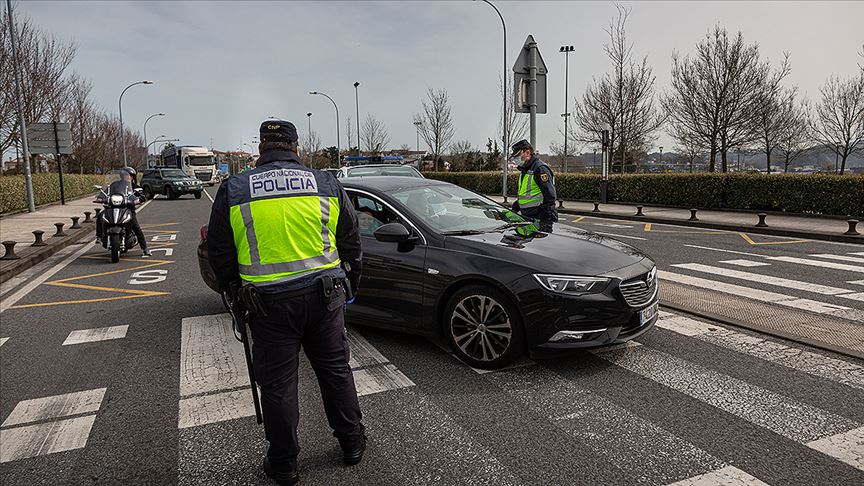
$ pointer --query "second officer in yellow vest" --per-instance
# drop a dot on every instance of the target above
(288, 235)
(537, 195)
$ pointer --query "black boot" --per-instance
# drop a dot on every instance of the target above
(284, 478)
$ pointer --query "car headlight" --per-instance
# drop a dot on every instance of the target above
(571, 284)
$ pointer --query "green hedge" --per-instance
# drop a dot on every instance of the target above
(46, 189)
(794, 193)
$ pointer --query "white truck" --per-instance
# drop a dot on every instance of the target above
(196, 161)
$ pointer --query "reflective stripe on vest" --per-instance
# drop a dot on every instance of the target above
(530, 195)
(285, 238)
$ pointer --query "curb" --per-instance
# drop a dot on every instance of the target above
(14, 267)
(840, 238)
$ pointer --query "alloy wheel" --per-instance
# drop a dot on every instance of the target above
(481, 328)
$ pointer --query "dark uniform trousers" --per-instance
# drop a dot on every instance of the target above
(319, 327)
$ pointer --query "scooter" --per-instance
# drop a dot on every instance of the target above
(117, 235)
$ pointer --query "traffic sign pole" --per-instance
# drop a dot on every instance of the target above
(59, 165)
(532, 90)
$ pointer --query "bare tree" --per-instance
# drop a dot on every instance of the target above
(463, 156)
(838, 123)
(795, 139)
(349, 133)
(622, 101)
(374, 136)
(774, 116)
(517, 123)
(436, 124)
(714, 95)
(311, 145)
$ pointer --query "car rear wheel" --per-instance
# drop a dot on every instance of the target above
(148, 193)
(198, 195)
(483, 327)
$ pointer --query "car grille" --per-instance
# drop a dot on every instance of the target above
(204, 176)
(638, 292)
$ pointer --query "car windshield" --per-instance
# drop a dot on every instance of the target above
(453, 210)
(200, 160)
(172, 173)
(383, 171)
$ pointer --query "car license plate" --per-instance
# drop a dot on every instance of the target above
(648, 313)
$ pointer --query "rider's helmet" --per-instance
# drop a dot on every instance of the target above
(129, 170)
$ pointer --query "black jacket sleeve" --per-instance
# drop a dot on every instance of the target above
(550, 195)
(220, 241)
(348, 238)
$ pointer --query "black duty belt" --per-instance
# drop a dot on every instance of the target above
(288, 294)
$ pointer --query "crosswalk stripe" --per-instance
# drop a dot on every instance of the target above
(215, 407)
(93, 335)
(842, 258)
(765, 279)
(47, 438)
(847, 447)
(856, 282)
(795, 420)
(56, 406)
(605, 427)
(765, 296)
(818, 263)
(211, 359)
(814, 364)
(857, 253)
(859, 296)
(373, 373)
(745, 263)
(726, 476)
(3, 341)
(726, 251)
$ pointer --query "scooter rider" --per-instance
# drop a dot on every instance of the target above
(127, 185)
(537, 192)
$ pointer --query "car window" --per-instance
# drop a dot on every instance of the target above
(449, 208)
(371, 214)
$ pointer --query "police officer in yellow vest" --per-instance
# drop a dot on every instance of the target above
(537, 195)
(288, 235)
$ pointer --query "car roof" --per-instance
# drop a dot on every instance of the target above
(378, 165)
(388, 183)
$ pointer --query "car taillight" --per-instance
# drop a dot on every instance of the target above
(203, 232)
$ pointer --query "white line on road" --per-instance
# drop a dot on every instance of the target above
(726, 251)
(726, 476)
(817, 263)
(765, 296)
(55, 407)
(792, 419)
(856, 282)
(373, 373)
(620, 236)
(842, 258)
(216, 407)
(23, 291)
(22, 277)
(745, 263)
(836, 370)
(3, 341)
(93, 335)
(211, 359)
(47, 438)
(208, 196)
(847, 447)
(765, 279)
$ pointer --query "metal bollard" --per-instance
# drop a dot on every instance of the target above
(75, 224)
(561, 204)
(761, 223)
(60, 229)
(37, 234)
(10, 251)
(852, 230)
(596, 207)
(87, 217)
(639, 211)
(693, 215)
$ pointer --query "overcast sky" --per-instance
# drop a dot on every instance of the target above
(221, 67)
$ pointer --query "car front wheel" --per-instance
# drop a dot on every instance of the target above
(483, 327)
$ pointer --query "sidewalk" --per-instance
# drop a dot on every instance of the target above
(798, 226)
(19, 227)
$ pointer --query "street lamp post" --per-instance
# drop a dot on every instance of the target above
(594, 161)
(357, 105)
(661, 155)
(417, 129)
(309, 125)
(837, 159)
(566, 50)
(145, 128)
(338, 147)
(120, 104)
(505, 140)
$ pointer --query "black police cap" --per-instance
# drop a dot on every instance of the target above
(278, 131)
(520, 146)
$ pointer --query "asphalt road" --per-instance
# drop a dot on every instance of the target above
(162, 401)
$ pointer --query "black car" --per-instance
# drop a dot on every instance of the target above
(169, 182)
(442, 260)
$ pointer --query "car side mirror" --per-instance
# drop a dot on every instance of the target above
(392, 233)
